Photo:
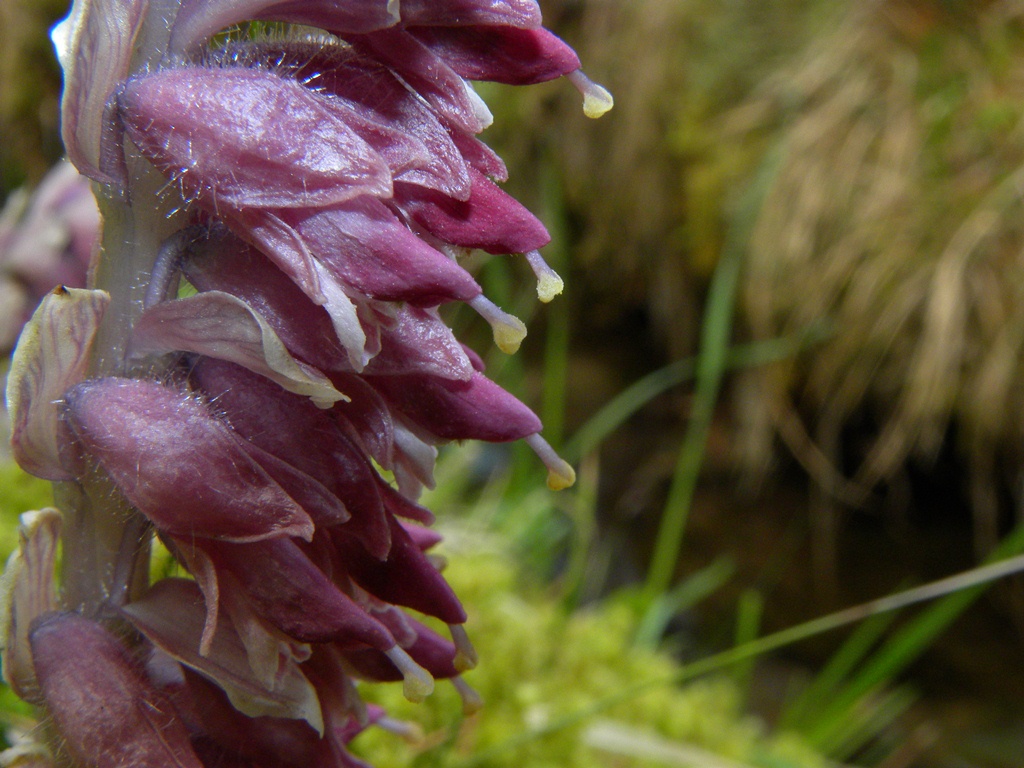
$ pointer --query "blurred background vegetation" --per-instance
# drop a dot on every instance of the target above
(788, 364)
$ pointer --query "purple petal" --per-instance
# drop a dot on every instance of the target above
(500, 54)
(364, 80)
(420, 342)
(51, 237)
(178, 465)
(274, 740)
(490, 220)
(477, 409)
(399, 505)
(431, 651)
(228, 137)
(104, 708)
(406, 577)
(446, 13)
(324, 507)
(241, 270)
(365, 418)
(425, 72)
(291, 593)
(286, 427)
(479, 156)
(364, 246)
(424, 538)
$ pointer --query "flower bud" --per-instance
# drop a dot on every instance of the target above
(477, 409)
(177, 464)
(106, 710)
(228, 137)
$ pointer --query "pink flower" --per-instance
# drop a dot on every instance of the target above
(46, 239)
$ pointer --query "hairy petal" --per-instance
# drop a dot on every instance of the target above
(286, 426)
(490, 220)
(477, 409)
(107, 711)
(228, 136)
(178, 465)
(500, 54)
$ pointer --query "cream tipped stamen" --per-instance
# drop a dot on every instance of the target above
(417, 683)
(549, 284)
(509, 331)
(465, 654)
(166, 267)
(560, 474)
(471, 701)
(596, 98)
(410, 732)
(356, 705)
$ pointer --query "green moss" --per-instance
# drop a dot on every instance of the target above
(19, 492)
(539, 664)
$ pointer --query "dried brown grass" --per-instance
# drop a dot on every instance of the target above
(897, 215)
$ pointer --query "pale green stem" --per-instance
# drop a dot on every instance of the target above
(106, 549)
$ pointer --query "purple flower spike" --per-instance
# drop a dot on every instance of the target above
(258, 370)
(107, 711)
(178, 465)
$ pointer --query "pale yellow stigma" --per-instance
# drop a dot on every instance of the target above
(410, 732)
(549, 284)
(508, 336)
(471, 701)
(465, 654)
(509, 331)
(560, 474)
(596, 98)
(561, 478)
(417, 683)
